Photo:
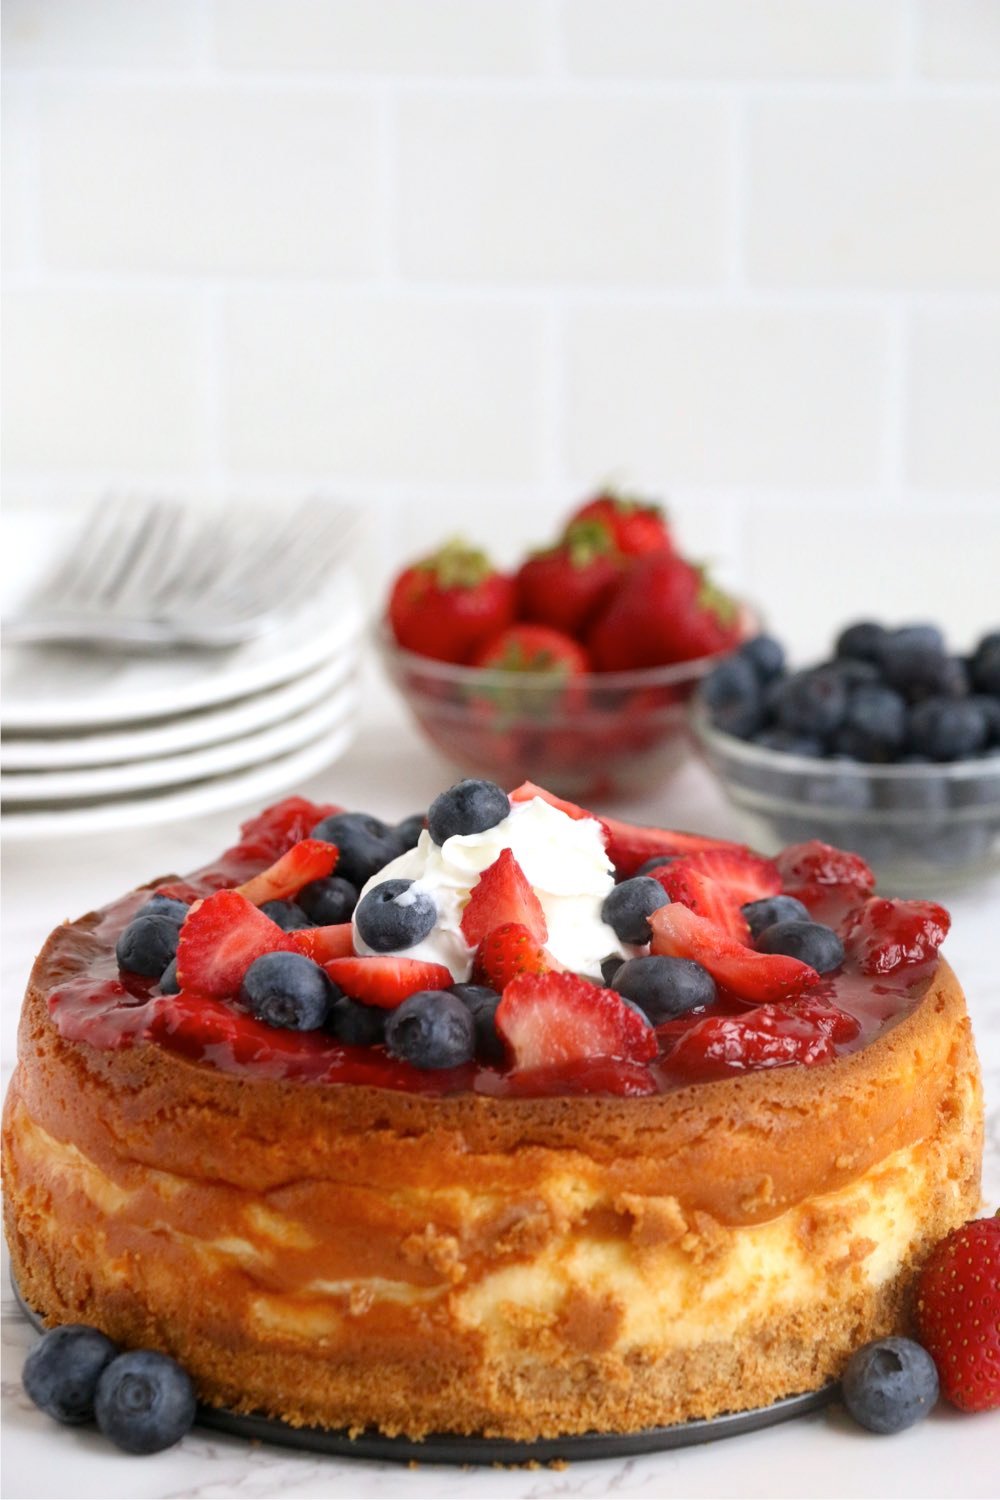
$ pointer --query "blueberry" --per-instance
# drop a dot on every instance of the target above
(665, 987)
(788, 743)
(921, 670)
(948, 729)
(985, 665)
(407, 832)
(655, 862)
(628, 906)
(62, 1370)
(874, 726)
(328, 902)
(990, 708)
(148, 944)
(366, 844)
(286, 915)
(813, 703)
(431, 1029)
(853, 672)
(169, 983)
(467, 807)
(889, 1384)
(483, 1002)
(610, 967)
(765, 655)
(929, 637)
(166, 906)
(393, 915)
(771, 909)
(356, 1024)
(731, 692)
(287, 990)
(810, 942)
(861, 641)
(145, 1401)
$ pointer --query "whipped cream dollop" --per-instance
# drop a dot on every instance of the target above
(563, 859)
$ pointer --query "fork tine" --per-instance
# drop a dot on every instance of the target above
(145, 563)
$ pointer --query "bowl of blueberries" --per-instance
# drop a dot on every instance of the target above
(891, 748)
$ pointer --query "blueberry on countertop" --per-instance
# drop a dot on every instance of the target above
(62, 1370)
(889, 1384)
(394, 915)
(431, 1029)
(145, 1401)
(469, 806)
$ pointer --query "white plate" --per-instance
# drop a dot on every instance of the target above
(243, 787)
(55, 688)
(64, 751)
(145, 775)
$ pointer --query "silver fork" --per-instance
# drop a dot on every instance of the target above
(150, 575)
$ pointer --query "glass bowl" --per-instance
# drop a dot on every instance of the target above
(919, 827)
(599, 735)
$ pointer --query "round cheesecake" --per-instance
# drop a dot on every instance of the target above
(332, 1237)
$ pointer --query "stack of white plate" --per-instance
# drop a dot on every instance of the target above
(95, 741)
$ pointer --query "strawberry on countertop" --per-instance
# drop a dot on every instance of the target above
(448, 605)
(958, 1314)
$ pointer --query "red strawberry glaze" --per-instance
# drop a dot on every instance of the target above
(96, 1004)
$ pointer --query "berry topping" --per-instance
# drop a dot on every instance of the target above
(280, 826)
(220, 940)
(62, 1370)
(628, 907)
(664, 988)
(288, 916)
(889, 1384)
(610, 967)
(469, 806)
(705, 896)
(287, 990)
(551, 1019)
(329, 901)
(680, 933)
(958, 1314)
(167, 906)
(483, 1002)
(407, 833)
(811, 942)
(745, 875)
(527, 791)
(502, 894)
(771, 909)
(148, 943)
(355, 1024)
(630, 844)
(885, 934)
(449, 604)
(323, 943)
(431, 1029)
(770, 1036)
(365, 843)
(506, 952)
(393, 915)
(809, 868)
(169, 983)
(308, 860)
(145, 1401)
(386, 982)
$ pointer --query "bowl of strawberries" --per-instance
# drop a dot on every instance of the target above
(575, 669)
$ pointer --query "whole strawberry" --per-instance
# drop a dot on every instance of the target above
(567, 585)
(664, 610)
(635, 526)
(450, 603)
(958, 1314)
(535, 649)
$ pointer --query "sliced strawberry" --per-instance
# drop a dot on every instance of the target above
(706, 897)
(509, 950)
(769, 1036)
(310, 859)
(219, 941)
(632, 844)
(502, 895)
(322, 943)
(596, 1075)
(680, 933)
(883, 935)
(280, 826)
(815, 867)
(552, 1019)
(386, 981)
(528, 790)
(745, 875)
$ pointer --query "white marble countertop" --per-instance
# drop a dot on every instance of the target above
(390, 772)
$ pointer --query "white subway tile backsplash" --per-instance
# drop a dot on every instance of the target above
(547, 187)
(17, 149)
(207, 179)
(446, 37)
(727, 396)
(733, 38)
(954, 401)
(383, 387)
(958, 38)
(102, 380)
(83, 34)
(876, 192)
